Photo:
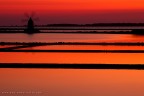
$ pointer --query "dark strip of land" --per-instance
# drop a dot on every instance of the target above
(84, 25)
(73, 66)
(98, 24)
(113, 32)
(74, 43)
(76, 51)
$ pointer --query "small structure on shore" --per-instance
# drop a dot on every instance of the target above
(30, 27)
(138, 31)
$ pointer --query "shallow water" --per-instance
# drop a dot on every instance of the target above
(84, 47)
(44, 37)
(72, 82)
(60, 82)
(106, 58)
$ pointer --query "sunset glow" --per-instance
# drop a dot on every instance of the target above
(71, 4)
(72, 11)
(72, 47)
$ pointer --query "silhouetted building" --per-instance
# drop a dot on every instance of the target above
(30, 26)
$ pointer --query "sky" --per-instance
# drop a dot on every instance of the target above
(72, 11)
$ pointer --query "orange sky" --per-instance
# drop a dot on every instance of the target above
(71, 4)
(72, 11)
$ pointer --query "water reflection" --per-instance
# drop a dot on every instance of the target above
(114, 58)
(61, 82)
(66, 37)
(74, 57)
(84, 47)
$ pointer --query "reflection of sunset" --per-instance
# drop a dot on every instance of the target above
(72, 58)
(82, 47)
(73, 82)
(71, 37)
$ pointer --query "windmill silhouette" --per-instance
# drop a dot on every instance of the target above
(30, 27)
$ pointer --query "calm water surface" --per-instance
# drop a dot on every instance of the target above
(43, 37)
(73, 57)
(70, 82)
(51, 82)
(106, 58)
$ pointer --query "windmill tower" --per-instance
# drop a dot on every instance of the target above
(30, 24)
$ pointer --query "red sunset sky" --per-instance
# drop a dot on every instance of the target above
(72, 11)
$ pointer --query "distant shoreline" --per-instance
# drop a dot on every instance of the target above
(113, 32)
(78, 29)
(88, 25)
(75, 43)
(72, 51)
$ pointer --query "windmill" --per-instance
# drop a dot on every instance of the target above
(30, 19)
